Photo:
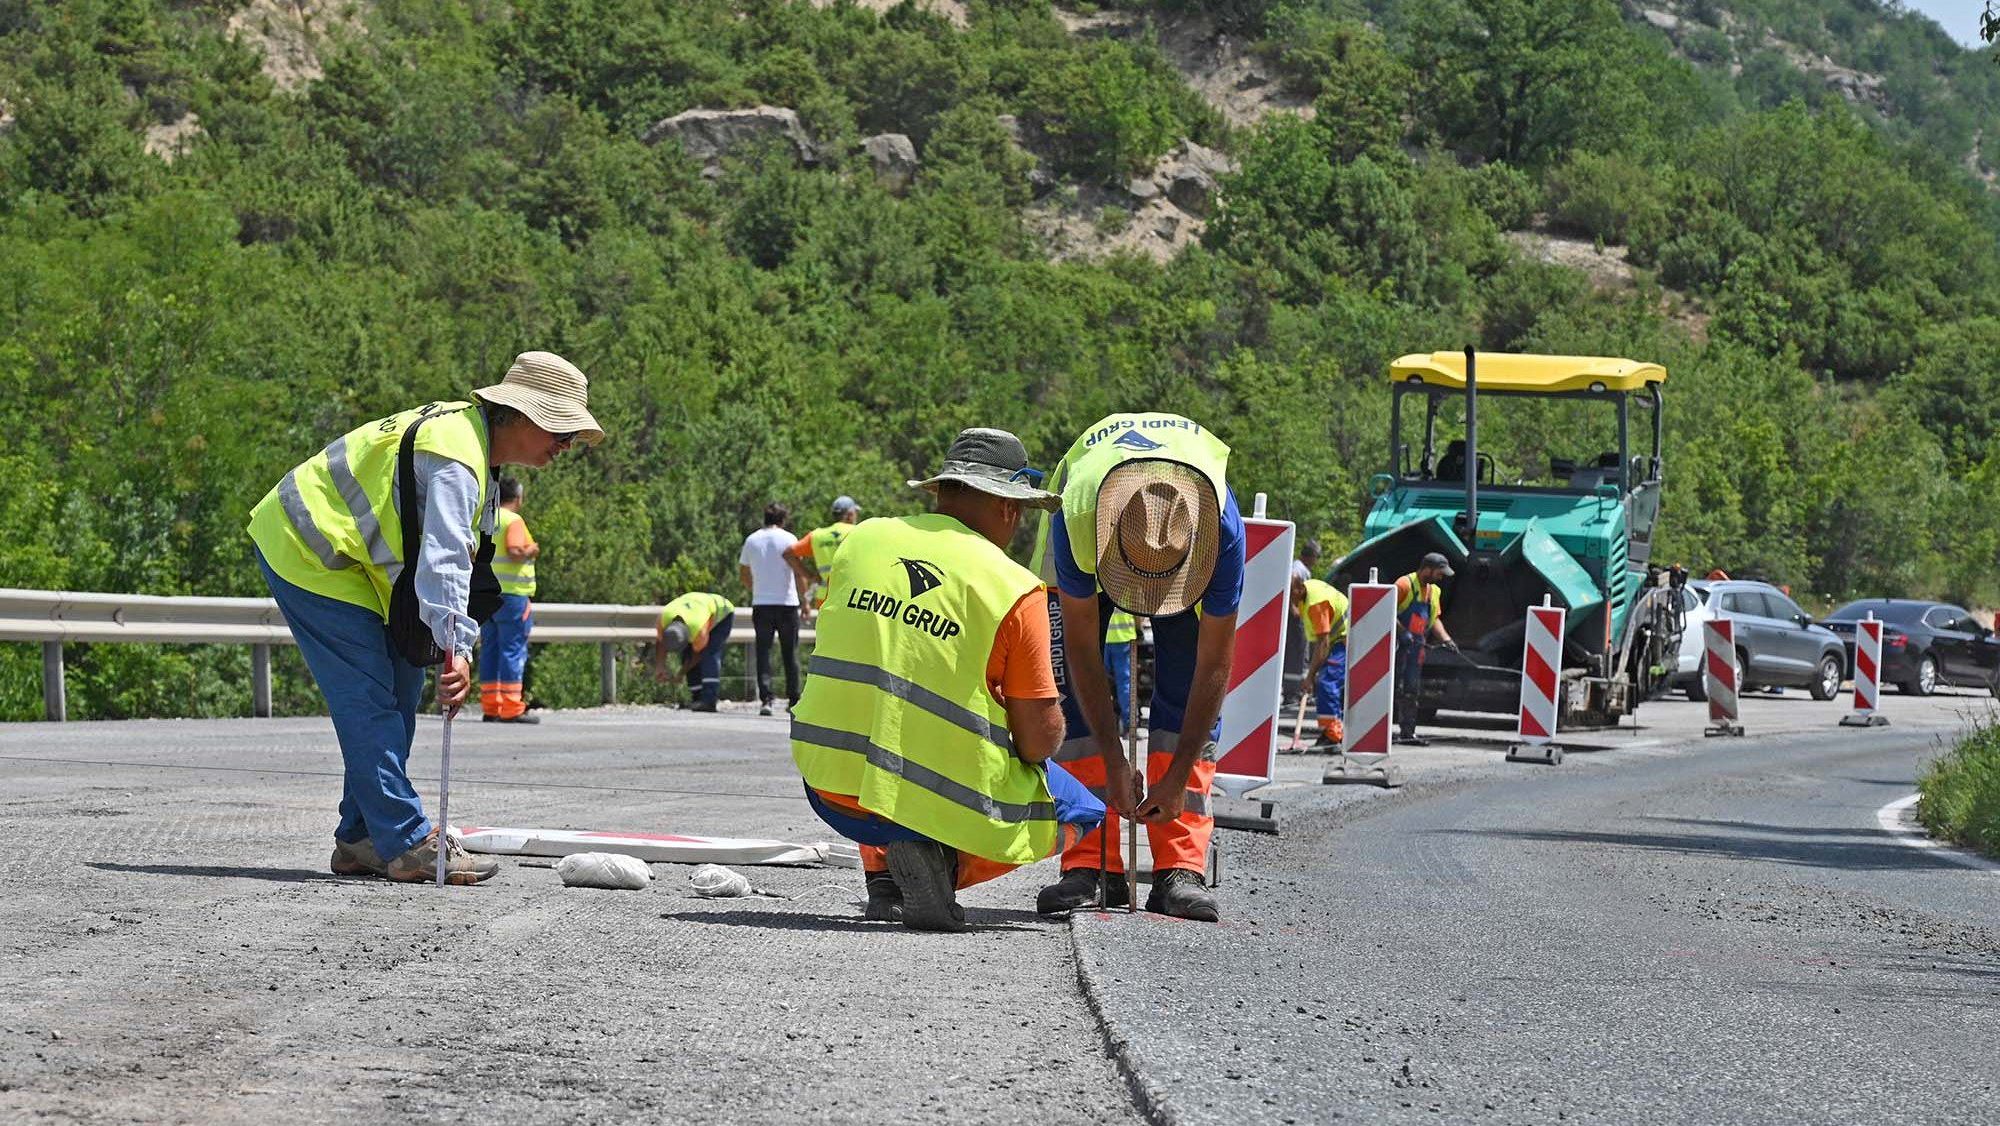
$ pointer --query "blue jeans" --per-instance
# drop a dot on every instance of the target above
(704, 680)
(1118, 665)
(372, 694)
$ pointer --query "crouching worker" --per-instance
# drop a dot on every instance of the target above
(368, 548)
(696, 626)
(1324, 610)
(931, 709)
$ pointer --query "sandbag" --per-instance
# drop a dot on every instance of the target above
(603, 870)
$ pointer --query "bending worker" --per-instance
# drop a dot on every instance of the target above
(369, 609)
(1324, 610)
(503, 640)
(811, 558)
(695, 625)
(931, 707)
(1148, 525)
(1419, 615)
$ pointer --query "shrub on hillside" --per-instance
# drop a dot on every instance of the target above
(1604, 196)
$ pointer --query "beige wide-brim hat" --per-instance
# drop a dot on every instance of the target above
(551, 392)
(1159, 528)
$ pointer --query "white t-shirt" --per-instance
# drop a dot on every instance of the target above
(1300, 571)
(771, 581)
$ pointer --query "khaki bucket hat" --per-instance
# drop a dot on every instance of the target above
(1159, 528)
(551, 392)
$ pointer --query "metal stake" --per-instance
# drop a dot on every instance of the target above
(1138, 769)
(444, 765)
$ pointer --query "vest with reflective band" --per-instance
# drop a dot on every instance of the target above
(896, 711)
(1324, 593)
(826, 545)
(698, 609)
(330, 526)
(515, 578)
(1415, 605)
(1121, 629)
(1115, 440)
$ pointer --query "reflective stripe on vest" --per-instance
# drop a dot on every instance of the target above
(1120, 438)
(1122, 629)
(515, 578)
(699, 609)
(896, 711)
(1318, 593)
(330, 525)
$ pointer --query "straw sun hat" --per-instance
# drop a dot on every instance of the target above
(1158, 530)
(551, 392)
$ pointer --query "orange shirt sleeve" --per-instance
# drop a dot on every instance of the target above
(1020, 667)
(518, 538)
(1322, 619)
(802, 549)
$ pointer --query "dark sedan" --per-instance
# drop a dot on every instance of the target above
(1925, 644)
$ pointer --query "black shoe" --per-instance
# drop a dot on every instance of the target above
(1179, 892)
(764, 709)
(489, 717)
(1412, 740)
(524, 717)
(885, 899)
(705, 707)
(1078, 889)
(925, 872)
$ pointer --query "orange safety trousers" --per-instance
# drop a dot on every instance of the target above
(1180, 843)
(502, 699)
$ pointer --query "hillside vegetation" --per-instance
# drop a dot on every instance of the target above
(462, 181)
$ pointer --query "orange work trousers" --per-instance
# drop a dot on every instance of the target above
(1180, 843)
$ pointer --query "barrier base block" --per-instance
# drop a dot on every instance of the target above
(1265, 820)
(1856, 720)
(1548, 754)
(1724, 729)
(1372, 769)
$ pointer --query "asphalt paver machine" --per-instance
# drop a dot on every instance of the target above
(1578, 530)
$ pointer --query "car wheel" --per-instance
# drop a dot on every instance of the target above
(1697, 689)
(1925, 682)
(1826, 683)
(1743, 673)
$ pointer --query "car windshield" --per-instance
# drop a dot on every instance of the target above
(1900, 613)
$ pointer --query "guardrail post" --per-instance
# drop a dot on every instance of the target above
(607, 671)
(54, 704)
(260, 681)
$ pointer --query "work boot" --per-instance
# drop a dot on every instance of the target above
(925, 871)
(1078, 889)
(885, 899)
(460, 867)
(1412, 739)
(524, 717)
(1179, 892)
(356, 858)
(702, 706)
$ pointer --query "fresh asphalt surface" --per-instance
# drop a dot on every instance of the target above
(1667, 929)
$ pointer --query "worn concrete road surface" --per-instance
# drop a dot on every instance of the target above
(1664, 930)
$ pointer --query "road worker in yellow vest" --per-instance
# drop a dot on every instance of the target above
(503, 640)
(1323, 609)
(697, 626)
(1148, 525)
(930, 709)
(378, 551)
(811, 558)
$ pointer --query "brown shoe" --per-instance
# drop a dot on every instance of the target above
(356, 858)
(460, 867)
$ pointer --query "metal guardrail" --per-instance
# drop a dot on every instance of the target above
(58, 617)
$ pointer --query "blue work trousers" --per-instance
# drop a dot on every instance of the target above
(503, 656)
(1118, 666)
(1330, 687)
(704, 677)
(372, 694)
(1409, 679)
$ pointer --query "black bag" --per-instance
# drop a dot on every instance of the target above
(407, 630)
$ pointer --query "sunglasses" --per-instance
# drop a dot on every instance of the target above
(564, 439)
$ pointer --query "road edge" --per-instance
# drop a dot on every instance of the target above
(1147, 1097)
(1898, 820)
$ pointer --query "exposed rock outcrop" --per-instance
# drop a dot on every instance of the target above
(894, 159)
(708, 135)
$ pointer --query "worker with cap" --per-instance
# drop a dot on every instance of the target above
(811, 558)
(370, 609)
(1149, 525)
(1323, 609)
(695, 625)
(503, 640)
(1121, 641)
(931, 710)
(1419, 616)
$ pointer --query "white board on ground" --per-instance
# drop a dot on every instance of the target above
(665, 848)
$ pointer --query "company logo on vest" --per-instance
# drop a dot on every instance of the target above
(1133, 440)
(923, 575)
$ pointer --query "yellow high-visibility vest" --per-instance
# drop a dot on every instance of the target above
(515, 578)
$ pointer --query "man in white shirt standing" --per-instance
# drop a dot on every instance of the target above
(776, 591)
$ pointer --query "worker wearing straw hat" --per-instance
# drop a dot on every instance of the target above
(1147, 525)
(371, 610)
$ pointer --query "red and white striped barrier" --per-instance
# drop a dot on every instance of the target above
(1541, 680)
(1371, 685)
(1248, 746)
(1719, 674)
(1867, 675)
